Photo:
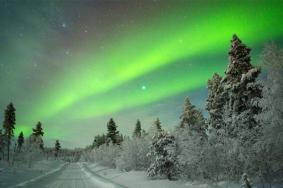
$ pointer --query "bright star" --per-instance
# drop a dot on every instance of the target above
(143, 87)
(64, 25)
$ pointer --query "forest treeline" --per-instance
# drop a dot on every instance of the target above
(18, 149)
(241, 137)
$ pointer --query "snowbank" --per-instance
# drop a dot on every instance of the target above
(19, 174)
(138, 179)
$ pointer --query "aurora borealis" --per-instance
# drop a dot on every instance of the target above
(74, 64)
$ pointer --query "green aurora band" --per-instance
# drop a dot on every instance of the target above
(137, 54)
(100, 81)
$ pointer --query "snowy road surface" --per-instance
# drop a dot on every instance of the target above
(72, 176)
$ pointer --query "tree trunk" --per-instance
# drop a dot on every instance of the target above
(8, 151)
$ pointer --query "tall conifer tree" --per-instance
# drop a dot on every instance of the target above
(9, 126)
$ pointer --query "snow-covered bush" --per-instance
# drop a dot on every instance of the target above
(106, 155)
(32, 149)
(163, 151)
(133, 154)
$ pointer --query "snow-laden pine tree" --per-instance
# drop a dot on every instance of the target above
(163, 151)
(191, 136)
(241, 92)
(215, 102)
(38, 134)
(155, 128)
(191, 117)
(233, 104)
(269, 148)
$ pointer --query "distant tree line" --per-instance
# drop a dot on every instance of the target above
(28, 149)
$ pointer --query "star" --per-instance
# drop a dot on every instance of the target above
(64, 25)
(143, 87)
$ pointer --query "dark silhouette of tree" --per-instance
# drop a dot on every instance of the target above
(112, 133)
(57, 148)
(157, 123)
(137, 131)
(21, 140)
(9, 126)
(38, 130)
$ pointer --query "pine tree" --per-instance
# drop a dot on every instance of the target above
(112, 133)
(154, 129)
(191, 117)
(237, 98)
(137, 131)
(157, 124)
(38, 130)
(190, 135)
(20, 141)
(241, 91)
(57, 148)
(38, 133)
(9, 126)
(163, 153)
(215, 102)
(239, 56)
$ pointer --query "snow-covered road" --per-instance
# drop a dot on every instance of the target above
(72, 176)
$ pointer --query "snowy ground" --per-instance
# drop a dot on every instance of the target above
(72, 175)
(19, 173)
(138, 179)
(56, 174)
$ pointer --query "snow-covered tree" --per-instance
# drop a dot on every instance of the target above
(32, 149)
(190, 136)
(191, 117)
(38, 132)
(215, 102)
(233, 104)
(106, 154)
(269, 148)
(9, 126)
(163, 151)
(155, 128)
(241, 92)
(133, 154)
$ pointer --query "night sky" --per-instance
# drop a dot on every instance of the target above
(74, 64)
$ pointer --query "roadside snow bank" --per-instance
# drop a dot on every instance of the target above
(138, 179)
(19, 175)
